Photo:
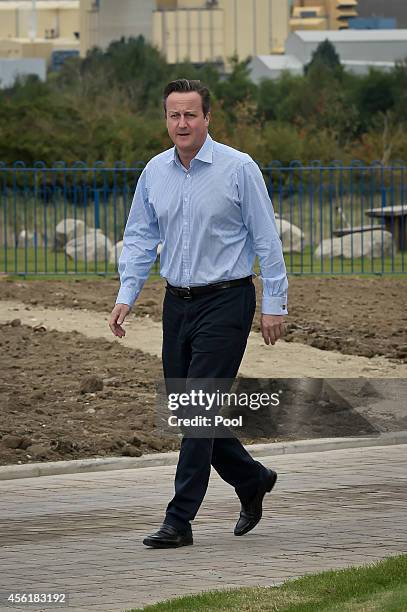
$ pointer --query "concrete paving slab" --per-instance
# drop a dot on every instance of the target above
(82, 533)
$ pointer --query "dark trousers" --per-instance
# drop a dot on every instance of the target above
(206, 337)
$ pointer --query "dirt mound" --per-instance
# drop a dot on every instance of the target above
(51, 411)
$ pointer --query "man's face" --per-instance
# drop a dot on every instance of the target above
(186, 124)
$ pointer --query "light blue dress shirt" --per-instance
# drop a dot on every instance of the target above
(212, 220)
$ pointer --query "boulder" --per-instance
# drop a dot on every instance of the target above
(361, 244)
(69, 229)
(291, 236)
(90, 247)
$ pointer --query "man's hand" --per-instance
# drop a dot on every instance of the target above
(119, 313)
(272, 328)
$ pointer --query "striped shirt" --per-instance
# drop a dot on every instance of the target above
(211, 219)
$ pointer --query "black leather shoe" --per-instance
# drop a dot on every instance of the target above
(252, 511)
(168, 537)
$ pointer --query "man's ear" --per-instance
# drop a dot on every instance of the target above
(208, 117)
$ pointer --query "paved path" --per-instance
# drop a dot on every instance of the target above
(284, 360)
(82, 533)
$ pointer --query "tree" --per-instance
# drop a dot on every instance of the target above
(237, 88)
(325, 55)
(374, 94)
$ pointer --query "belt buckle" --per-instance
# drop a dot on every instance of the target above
(187, 295)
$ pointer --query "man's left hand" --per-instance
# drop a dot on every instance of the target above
(272, 328)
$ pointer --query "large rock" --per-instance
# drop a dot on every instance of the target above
(69, 229)
(291, 236)
(362, 244)
(117, 248)
(89, 247)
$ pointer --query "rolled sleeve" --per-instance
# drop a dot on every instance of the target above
(140, 240)
(258, 216)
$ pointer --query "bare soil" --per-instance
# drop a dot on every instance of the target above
(65, 396)
(352, 315)
(48, 413)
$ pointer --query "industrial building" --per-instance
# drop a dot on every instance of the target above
(52, 19)
(11, 69)
(322, 14)
(31, 41)
(103, 21)
(351, 45)
(202, 31)
(198, 30)
(216, 30)
(359, 50)
(384, 9)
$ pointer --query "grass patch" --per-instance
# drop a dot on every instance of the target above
(372, 588)
(42, 261)
(45, 261)
(306, 263)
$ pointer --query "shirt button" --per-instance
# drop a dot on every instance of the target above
(188, 176)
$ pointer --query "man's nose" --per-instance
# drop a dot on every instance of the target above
(182, 122)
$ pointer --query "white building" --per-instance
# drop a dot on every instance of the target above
(359, 50)
(352, 45)
(272, 66)
(11, 69)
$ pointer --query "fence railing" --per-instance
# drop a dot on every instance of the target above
(332, 219)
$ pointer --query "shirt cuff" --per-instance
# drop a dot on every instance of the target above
(127, 295)
(274, 306)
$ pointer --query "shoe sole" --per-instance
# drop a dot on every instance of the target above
(157, 544)
(273, 480)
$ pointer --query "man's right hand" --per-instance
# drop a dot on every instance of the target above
(119, 313)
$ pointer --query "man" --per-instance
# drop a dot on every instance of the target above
(209, 207)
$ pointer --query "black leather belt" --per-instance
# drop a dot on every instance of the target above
(189, 292)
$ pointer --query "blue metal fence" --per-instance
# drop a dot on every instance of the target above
(333, 219)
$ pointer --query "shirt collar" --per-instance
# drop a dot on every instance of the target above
(205, 153)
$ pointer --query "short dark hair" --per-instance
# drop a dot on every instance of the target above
(185, 85)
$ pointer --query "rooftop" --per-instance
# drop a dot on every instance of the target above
(351, 35)
(7, 5)
(280, 62)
